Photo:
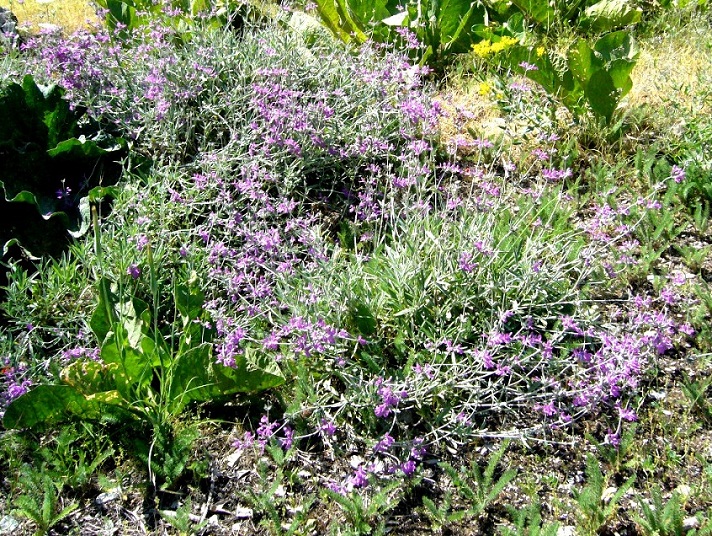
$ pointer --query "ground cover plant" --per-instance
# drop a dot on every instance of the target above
(325, 297)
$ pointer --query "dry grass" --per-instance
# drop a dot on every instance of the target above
(674, 68)
(70, 15)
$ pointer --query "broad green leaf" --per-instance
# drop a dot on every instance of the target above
(47, 404)
(134, 361)
(456, 20)
(617, 45)
(337, 17)
(583, 62)
(196, 377)
(609, 14)
(538, 10)
(189, 299)
(89, 377)
(77, 148)
(601, 94)
(620, 74)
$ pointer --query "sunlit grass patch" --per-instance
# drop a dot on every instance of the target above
(674, 67)
(70, 15)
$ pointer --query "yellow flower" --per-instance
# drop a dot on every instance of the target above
(484, 89)
(540, 51)
(504, 43)
(482, 49)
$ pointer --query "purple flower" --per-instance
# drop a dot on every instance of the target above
(359, 478)
(141, 242)
(613, 438)
(465, 262)
(418, 451)
(134, 271)
(408, 467)
(384, 444)
(627, 414)
(328, 427)
(677, 174)
(16, 390)
(287, 441)
(382, 411)
(548, 409)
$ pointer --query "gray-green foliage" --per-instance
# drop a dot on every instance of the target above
(428, 285)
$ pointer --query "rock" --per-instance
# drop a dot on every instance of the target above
(9, 525)
(104, 498)
(566, 530)
(690, 523)
(9, 36)
(243, 513)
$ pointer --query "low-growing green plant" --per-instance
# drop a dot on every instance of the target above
(144, 378)
(592, 78)
(478, 488)
(267, 497)
(431, 29)
(73, 456)
(472, 486)
(700, 400)
(40, 501)
(181, 519)
(527, 522)
(595, 510)
(365, 511)
(666, 518)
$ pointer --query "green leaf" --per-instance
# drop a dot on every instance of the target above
(47, 404)
(601, 94)
(89, 377)
(538, 10)
(583, 62)
(77, 148)
(189, 300)
(196, 377)
(617, 45)
(455, 20)
(338, 17)
(609, 14)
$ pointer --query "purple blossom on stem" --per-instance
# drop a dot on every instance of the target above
(677, 174)
(384, 444)
(408, 468)
(360, 478)
(134, 271)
